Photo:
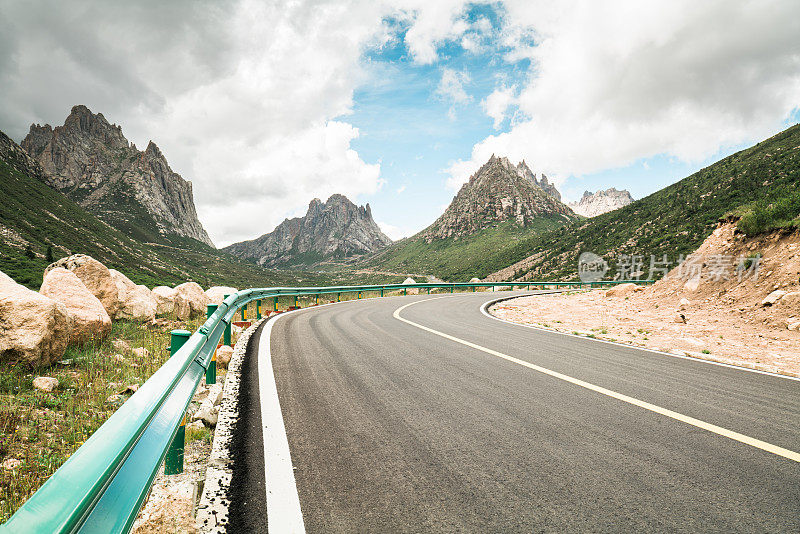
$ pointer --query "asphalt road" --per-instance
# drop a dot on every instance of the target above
(395, 428)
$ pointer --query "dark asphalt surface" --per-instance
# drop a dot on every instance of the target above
(395, 429)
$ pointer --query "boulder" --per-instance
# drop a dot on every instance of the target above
(91, 321)
(474, 280)
(773, 297)
(136, 303)
(35, 329)
(165, 299)
(684, 304)
(141, 352)
(621, 290)
(45, 383)
(95, 276)
(195, 296)
(224, 355)
(408, 281)
(208, 413)
(217, 293)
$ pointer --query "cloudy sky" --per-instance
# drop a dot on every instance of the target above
(266, 105)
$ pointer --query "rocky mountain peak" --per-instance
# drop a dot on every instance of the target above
(335, 229)
(499, 191)
(594, 204)
(90, 160)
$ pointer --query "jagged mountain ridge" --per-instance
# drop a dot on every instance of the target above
(90, 160)
(336, 228)
(499, 191)
(594, 204)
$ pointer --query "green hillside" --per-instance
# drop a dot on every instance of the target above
(759, 183)
(459, 259)
(39, 224)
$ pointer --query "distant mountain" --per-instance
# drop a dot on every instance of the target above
(499, 205)
(761, 180)
(89, 160)
(498, 192)
(594, 204)
(335, 229)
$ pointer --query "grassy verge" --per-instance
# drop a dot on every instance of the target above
(39, 431)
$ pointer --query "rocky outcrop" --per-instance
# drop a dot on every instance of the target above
(594, 204)
(95, 276)
(333, 229)
(217, 294)
(498, 192)
(195, 296)
(19, 159)
(90, 319)
(35, 329)
(90, 161)
(136, 302)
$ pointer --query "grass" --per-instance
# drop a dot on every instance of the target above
(43, 429)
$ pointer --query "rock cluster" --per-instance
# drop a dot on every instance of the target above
(594, 204)
(89, 160)
(498, 192)
(77, 302)
(333, 229)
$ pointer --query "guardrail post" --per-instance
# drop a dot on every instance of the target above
(275, 304)
(316, 301)
(173, 463)
(359, 294)
(211, 372)
(295, 301)
(381, 291)
(405, 291)
(452, 289)
(244, 312)
(258, 309)
(338, 297)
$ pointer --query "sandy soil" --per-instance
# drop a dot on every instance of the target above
(726, 320)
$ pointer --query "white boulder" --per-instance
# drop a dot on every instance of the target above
(621, 290)
(45, 383)
(216, 294)
(95, 276)
(35, 329)
(773, 297)
(165, 299)
(195, 296)
(91, 321)
(136, 302)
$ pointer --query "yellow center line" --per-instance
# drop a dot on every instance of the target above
(753, 442)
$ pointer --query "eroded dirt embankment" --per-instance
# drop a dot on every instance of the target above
(715, 315)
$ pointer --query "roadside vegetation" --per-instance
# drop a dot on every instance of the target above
(39, 430)
(760, 217)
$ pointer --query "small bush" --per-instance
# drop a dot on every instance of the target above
(764, 217)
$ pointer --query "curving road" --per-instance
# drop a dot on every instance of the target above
(423, 414)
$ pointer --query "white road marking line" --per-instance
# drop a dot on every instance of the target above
(485, 311)
(753, 442)
(283, 503)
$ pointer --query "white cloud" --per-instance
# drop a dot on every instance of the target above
(433, 24)
(401, 188)
(451, 86)
(393, 232)
(497, 104)
(614, 82)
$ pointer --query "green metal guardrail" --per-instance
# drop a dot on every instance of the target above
(102, 486)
